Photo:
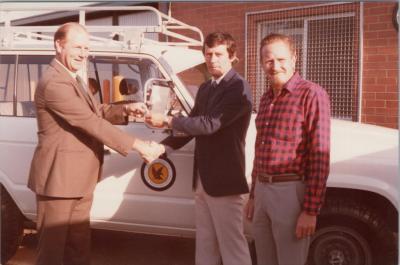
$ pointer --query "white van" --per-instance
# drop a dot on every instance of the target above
(358, 223)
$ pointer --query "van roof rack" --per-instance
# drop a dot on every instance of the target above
(122, 38)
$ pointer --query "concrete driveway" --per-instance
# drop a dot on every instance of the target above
(118, 248)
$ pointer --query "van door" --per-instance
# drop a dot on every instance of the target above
(155, 198)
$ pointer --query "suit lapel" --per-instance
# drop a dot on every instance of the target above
(78, 88)
(87, 95)
(214, 96)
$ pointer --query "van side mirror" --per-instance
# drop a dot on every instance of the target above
(158, 97)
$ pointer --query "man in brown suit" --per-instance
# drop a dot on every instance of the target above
(72, 129)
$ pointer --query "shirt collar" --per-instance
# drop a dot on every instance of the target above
(292, 83)
(66, 69)
(219, 79)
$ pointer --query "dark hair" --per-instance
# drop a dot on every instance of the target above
(274, 37)
(218, 38)
(62, 31)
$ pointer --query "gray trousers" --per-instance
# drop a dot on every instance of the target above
(277, 207)
(219, 230)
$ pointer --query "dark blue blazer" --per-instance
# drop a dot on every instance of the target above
(218, 121)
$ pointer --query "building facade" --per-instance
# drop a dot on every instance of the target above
(351, 49)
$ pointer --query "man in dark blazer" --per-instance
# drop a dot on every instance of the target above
(219, 122)
(72, 129)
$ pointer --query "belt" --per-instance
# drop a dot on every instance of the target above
(268, 178)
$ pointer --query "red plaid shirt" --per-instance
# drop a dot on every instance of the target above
(293, 136)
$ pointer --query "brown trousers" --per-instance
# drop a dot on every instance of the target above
(64, 230)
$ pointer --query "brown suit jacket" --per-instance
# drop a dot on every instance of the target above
(72, 128)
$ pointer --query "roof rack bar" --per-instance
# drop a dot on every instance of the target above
(12, 35)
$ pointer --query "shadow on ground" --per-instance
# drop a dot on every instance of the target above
(119, 248)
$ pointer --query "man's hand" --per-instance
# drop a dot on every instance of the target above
(306, 225)
(158, 120)
(137, 109)
(249, 209)
(149, 151)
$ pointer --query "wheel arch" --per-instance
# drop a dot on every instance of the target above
(13, 191)
(374, 200)
(365, 215)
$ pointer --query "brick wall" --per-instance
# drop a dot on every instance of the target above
(380, 62)
(229, 17)
(380, 75)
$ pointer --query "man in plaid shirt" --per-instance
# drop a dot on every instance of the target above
(291, 163)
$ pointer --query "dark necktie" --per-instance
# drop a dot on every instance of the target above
(211, 92)
(213, 85)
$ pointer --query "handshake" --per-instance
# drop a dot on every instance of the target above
(148, 150)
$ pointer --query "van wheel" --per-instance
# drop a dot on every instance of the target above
(11, 226)
(349, 233)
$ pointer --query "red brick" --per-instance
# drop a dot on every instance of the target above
(391, 89)
(369, 80)
(374, 58)
(380, 96)
(376, 10)
(368, 111)
(392, 95)
(384, 18)
(377, 26)
(375, 119)
(369, 95)
(370, 71)
(392, 58)
(371, 19)
(380, 111)
(392, 104)
(372, 50)
(386, 81)
(368, 11)
(381, 65)
(392, 120)
(372, 88)
(392, 73)
(374, 103)
(390, 33)
(384, 50)
(392, 112)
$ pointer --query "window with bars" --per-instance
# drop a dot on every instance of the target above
(327, 46)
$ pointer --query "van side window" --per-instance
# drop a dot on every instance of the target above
(121, 79)
(30, 69)
(7, 77)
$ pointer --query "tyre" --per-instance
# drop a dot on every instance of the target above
(349, 233)
(11, 226)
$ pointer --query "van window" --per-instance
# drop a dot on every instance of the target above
(30, 69)
(121, 79)
(7, 77)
